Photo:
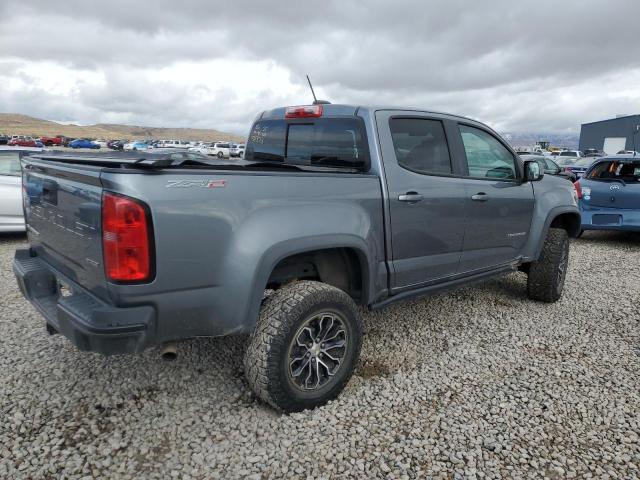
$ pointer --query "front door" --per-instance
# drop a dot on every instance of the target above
(426, 200)
(499, 205)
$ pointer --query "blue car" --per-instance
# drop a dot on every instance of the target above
(609, 194)
(83, 143)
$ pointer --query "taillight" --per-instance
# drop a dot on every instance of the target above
(578, 189)
(126, 239)
(303, 111)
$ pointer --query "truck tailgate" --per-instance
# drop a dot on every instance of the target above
(63, 213)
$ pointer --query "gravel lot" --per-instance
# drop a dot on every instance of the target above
(479, 382)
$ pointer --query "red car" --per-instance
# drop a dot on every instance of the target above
(22, 142)
(49, 141)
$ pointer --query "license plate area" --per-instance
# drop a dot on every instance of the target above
(606, 219)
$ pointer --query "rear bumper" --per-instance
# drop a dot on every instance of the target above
(610, 219)
(88, 322)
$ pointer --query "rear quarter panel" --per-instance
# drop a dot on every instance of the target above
(215, 247)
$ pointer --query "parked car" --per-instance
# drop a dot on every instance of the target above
(136, 145)
(628, 152)
(217, 149)
(173, 144)
(83, 143)
(58, 140)
(579, 166)
(237, 150)
(609, 194)
(116, 144)
(594, 152)
(203, 148)
(22, 141)
(4, 139)
(312, 215)
(67, 141)
(11, 213)
(101, 143)
(550, 167)
(221, 149)
(569, 155)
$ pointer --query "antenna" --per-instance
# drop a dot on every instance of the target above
(312, 92)
(315, 100)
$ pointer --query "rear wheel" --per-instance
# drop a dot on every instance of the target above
(548, 273)
(220, 154)
(305, 346)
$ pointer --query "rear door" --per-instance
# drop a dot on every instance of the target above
(426, 199)
(499, 206)
(11, 216)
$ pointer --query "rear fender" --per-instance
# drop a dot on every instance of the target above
(260, 247)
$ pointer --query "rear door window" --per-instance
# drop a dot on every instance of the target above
(420, 145)
(10, 164)
(334, 142)
(487, 157)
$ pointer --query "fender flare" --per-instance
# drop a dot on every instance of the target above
(278, 252)
(551, 216)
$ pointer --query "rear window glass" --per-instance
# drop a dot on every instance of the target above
(333, 142)
(628, 172)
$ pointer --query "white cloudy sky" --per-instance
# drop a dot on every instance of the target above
(535, 66)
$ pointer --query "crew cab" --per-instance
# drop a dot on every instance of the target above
(333, 206)
(58, 141)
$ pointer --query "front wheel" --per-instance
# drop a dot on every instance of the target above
(220, 154)
(548, 273)
(305, 346)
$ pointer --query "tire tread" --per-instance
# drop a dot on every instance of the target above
(278, 316)
(541, 284)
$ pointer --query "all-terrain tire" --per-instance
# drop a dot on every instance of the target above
(548, 273)
(267, 358)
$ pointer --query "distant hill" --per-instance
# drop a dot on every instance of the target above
(17, 124)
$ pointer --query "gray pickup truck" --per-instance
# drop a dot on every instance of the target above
(333, 206)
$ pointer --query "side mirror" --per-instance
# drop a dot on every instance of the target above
(532, 171)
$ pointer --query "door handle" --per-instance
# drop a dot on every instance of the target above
(410, 197)
(480, 197)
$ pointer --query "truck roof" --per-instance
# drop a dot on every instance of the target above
(337, 109)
